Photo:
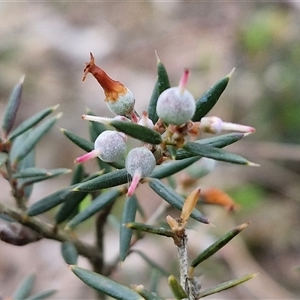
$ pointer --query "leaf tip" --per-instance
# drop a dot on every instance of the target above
(55, 107)
(252, 164)
(59, 115)
(230, 73)
(157, 57)
(22, 79)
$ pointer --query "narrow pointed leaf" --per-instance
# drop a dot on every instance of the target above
(77, 140)
(34, 137)
(39, 172)
(3, 158)
(136, 131)
(17, 144)
(216, 141)
(146, 294)
(174, 199)
(172, 167)
(54, 199)
(215, 247)
(105, 285)
(69, 253)
(31, 172)
(128, 215)
(177, 290)
(96, 205)
(162, 83)
(12, 107)
(31, 122)
(215, 153)
(49, 202)
(150, 229)
(226, 285)
(78, 174)
(104, 181)
(152, 115)
(151, 263)
(208, 100)
(70, 205)
(24, 288)
(53, 173)
(162, 77)
(27, 162)
(42, 295)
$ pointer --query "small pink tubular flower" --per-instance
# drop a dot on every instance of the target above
(176, 105)
(139, 163)
(216, 125)
(110, 146)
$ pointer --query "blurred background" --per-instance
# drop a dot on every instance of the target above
(50, 43)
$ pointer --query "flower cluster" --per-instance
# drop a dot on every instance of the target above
(174, 122)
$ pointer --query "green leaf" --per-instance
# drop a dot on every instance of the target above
(34, 137)
(150, 229)
(17, 144)
(215, 153)
(207, 101)
(151, 263)
(70, 205)
(162, 83)
(176, 288)
(162, 75)
(78, 174)
(174, 199)
(105, 285)
(77, 140)
(104, 181)
(152, 115)
(55, 199)
(172, 167)
(34, 179)
(24, 288)
(42, 295)
(27, 162)
(69, 253)
(128, 215)
(216, 246)
(96, 205)
(136, 131)
(50, 201)
(226, 285)
(29, 123)
(216, 141)
(12, 107)
(3, 158)
(33, 172)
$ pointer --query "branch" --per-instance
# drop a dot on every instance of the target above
(49, 232)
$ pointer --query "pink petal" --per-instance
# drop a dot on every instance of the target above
(87, 156)
(135, 181)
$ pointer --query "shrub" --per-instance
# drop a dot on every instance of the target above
(171, 140)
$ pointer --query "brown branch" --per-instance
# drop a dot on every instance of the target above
(48, 231)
